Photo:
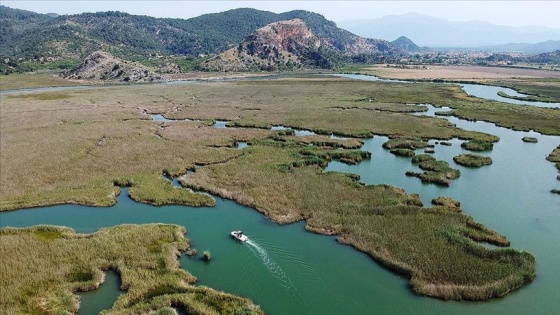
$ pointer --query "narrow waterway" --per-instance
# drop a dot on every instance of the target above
(477, 90)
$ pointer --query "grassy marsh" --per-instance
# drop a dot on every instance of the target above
(51, 153)
(34, 80)
(522, 118)
(44, 265)
(435, 248)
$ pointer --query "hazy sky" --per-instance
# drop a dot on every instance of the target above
(513, 13)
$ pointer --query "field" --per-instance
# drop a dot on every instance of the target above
(80, 146)
(459, 73)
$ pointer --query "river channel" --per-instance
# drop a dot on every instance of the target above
(287, 270)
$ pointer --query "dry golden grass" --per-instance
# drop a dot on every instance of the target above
(43, 266)
(34, 80)
(70, 146)
(463, 73)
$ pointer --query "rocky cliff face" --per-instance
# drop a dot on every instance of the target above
(278, 45)
(101, 65)
(290, 44)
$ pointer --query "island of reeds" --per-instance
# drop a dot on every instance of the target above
(437, 172)
(43, 266)
(472, 160)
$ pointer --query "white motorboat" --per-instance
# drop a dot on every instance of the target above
(238, 235)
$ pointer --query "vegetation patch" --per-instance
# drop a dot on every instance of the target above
(45, 96)
(530, 98)
(530, 139)
(554, 156)
(411, 144)
(472, 160)
(403, 152)
(475, 145)
(43, 279)
(319, 156)
(430, 177)
(437, 172)
(434, 247)
(322, 141)
(422, 158)
(447, 202)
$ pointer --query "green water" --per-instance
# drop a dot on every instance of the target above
(290, 271)
(93, 302)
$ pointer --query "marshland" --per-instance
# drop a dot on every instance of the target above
(52, 154)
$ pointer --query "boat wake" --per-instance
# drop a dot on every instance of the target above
(270, 264)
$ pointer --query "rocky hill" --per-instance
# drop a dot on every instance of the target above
(405, 44)
(291, 44)
(279, 45)
(103, 66)
(550, 58)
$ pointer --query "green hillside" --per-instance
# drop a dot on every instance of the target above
(34, 41)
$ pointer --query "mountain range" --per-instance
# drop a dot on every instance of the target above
(121, 46)
(435, 32)
(542, 47)
(46, 38)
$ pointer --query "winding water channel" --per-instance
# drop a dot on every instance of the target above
(477, 90)
(290, 271)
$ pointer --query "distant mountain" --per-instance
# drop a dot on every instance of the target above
(543, 47)
(65, 40)
(405, 44)
(435, 32)
(549, 57)
(291, 44)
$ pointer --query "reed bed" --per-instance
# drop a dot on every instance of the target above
(474, 145)
(436, 248)
(472, 160)
(554, 156)
(43, 267)
(437, 172)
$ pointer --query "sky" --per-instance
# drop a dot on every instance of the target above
(510, 13)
